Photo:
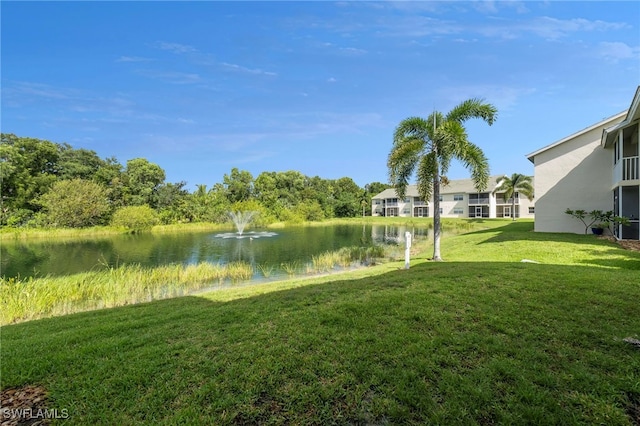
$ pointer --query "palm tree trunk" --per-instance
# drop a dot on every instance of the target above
(436, 216)
(513, 206)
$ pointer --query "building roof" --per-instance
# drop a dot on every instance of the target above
(458, 186)
(633, 114)
(602, 123)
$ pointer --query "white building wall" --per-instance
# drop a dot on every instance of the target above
(524, 207)
(448, 205)
(575, 174)
(492, 205)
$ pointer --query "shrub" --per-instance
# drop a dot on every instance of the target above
(135, 218)
(75, 203)
(15, 218)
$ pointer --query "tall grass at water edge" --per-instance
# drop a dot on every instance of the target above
(30, 298)
(37, 297)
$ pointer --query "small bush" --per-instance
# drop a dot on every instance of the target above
(75, 203)
(15, 218)
(135, 218)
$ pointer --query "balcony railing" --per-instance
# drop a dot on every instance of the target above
(479, 200)
(630, 169)
(419, 203)
(509, 201)
(391, 204)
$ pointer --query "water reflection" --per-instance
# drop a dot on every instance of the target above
(393, 234)
(299, 244)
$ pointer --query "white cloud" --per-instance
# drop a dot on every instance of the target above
(502, 97)
(38, 90)
(554, 28)
(491, 7)
(615, 51)
(175, 47)
(133, 59)
(172, 76)
(424, 19)
(240, 68)
(352, 51)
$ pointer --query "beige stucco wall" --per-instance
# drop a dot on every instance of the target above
(525, 204)
(575, 174)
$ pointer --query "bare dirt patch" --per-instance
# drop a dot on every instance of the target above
(23, 406)
(625, 244)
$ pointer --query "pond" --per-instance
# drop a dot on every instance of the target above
(292, 245)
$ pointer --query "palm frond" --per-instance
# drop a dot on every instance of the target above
(473, 108)
(474, 160)
(516, 183)
(526, 189)
(412, 127)
(402, 161)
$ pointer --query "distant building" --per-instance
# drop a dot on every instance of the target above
(457, 199)
(596, 168)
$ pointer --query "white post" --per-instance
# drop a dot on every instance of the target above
(407, 249)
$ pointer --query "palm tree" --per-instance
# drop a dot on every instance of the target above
(427, 146)
(517, 183)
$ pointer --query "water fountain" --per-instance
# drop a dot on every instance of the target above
(241, 219)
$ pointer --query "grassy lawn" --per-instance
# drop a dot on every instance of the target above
(482, 338)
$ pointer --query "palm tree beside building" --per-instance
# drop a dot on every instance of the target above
(427, 146)
(516, 185)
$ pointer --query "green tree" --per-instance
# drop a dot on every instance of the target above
(135, 218)
(77, 163)
(111, 175)
(143, 179)
(265, 189)
(310, 210)
(516, 183)
(171, 202)
(28, 168)
(238, 185)
(427, 147)
(320, 190)
(347, 197)
(208, 205)
(75, 203)
(374, 188)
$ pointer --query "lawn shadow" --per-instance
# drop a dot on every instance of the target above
(523, 231)
(350, 341)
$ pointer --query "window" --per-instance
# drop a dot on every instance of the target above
(439, 197)
(458, 197)
(458, 210)
(407, 200)
(440, 210)
(376, 202)
(531, 210)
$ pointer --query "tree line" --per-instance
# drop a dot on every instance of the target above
(47, 184)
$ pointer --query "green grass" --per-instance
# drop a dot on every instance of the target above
(22, 234)
(479, 339)
(31, 298)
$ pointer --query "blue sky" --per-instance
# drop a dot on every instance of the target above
(318, 87)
